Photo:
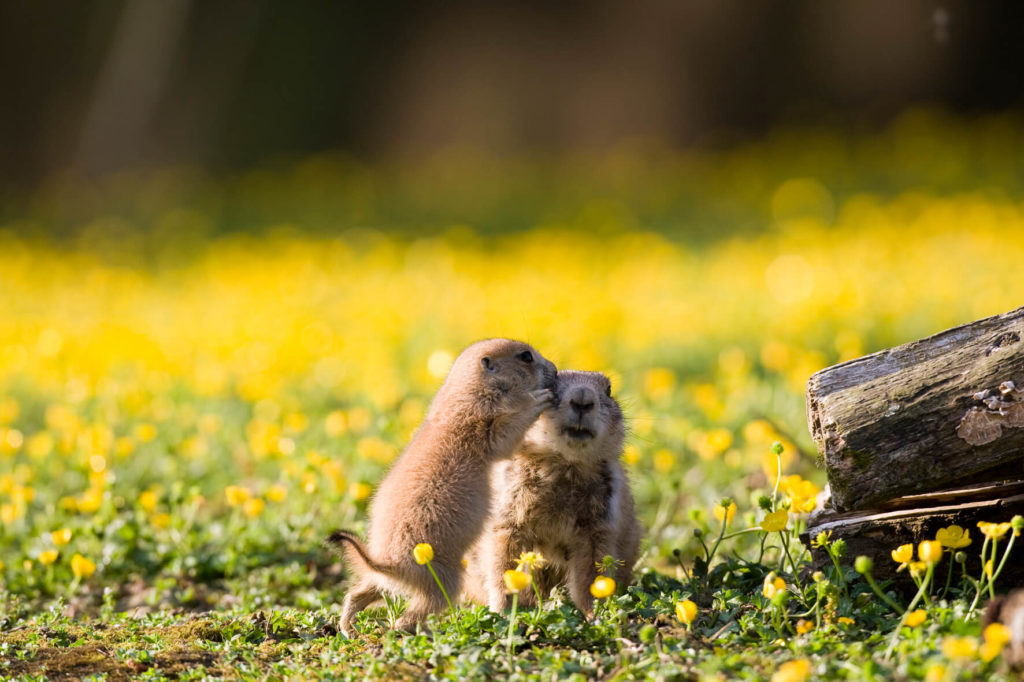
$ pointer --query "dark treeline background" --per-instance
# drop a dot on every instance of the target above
(103, 85)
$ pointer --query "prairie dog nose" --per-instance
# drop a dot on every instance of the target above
(582, 399)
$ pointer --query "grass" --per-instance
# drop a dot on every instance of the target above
(193, 393)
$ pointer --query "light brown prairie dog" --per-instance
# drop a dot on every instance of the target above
(564, 494)
(438, 492)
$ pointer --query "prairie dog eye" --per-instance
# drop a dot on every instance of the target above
(608, 390)
(526, 356)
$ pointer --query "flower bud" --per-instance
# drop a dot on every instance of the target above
(777, 448)
(863, 564)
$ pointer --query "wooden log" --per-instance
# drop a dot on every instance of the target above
(936, 412)
(876, 533)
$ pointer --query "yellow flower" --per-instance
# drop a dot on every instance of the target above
(903, 553)
(775, 521)
(994, 531)
(936, 672)
(48, 557)
(987, 651)
(988, 568)
(82, 567)
(930, 551)
(8, 514)
(148, 499)
(360, 491)
(772, 586)
(804, 626)
(844, 620)
(90, 500)
(277, 493)
(953, 537)
(252, 507)
(996, 636)
(530, 560)
(161, 520)
(996, 633)
(962, 648)
(659, 383)
(145, 432)
(725, 512)
(686, 611)
(61, 537)
(664, 461)
(516, 580)
(336, 424)
(793, 671)
(423, 553)
(917, 568)
(602, 587)
(236, 495)
(915, 618)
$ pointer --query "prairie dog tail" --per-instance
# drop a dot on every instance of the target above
(355, 552)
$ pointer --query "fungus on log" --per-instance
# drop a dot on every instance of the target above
(940, 412)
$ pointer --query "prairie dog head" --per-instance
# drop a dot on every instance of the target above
(585, 424)
(494, 376)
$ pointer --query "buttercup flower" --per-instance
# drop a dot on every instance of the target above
(423, 553)
(686, 611)
(772, 586)
(48, 557)
(602, 587)
(903, 553)
(725, 512)
(793, 671)
(776, 521)
(253, 507)
(516, 580)
(236, 495)
(953, 537)
(82, 567)
(530, 560)
(930, 551)
(962, 648)
(915, 618)
(994, 531)
(61, 537)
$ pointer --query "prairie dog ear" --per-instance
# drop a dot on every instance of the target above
(488, 364)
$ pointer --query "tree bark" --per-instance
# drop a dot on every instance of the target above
(876, 533)
(937, 412)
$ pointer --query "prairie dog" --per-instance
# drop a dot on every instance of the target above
(564, 494)
(438, 492)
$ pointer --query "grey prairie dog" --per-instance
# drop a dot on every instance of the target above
(564, 494)
(438, 491)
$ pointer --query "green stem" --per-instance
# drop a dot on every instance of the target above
(992, 578)
(839, 571)
(438, 581)
(755, 529)
(979, 587)
(882, 595)
(721, 535)
(1006, 554)
(796, 577)
(917, 598)
(512, 626)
